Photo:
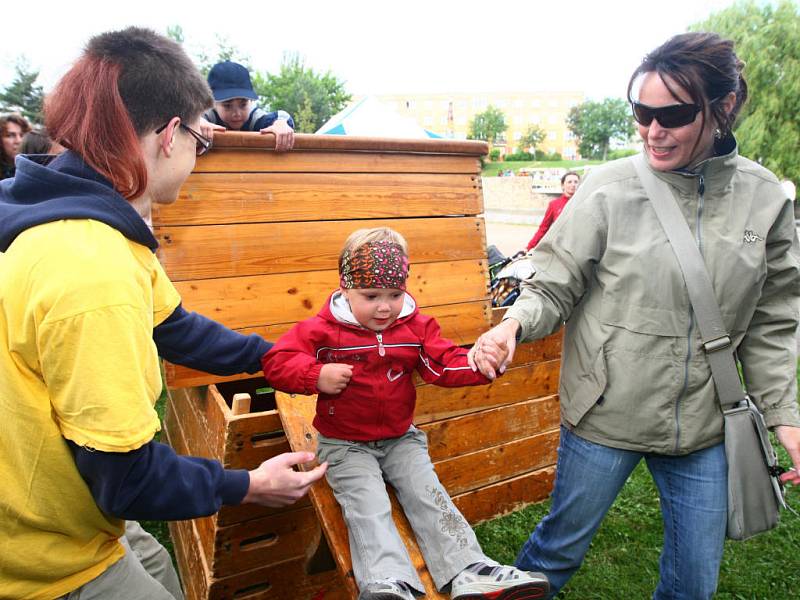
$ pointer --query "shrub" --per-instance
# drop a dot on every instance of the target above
(519, 156)
(621, 153)
(494, 154)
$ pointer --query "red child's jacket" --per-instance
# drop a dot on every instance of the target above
(379, 400)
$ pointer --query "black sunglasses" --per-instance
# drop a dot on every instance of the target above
(669, 117)
(203, 143)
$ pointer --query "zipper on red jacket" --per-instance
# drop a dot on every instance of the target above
(381, 348)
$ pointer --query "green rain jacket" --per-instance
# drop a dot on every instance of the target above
(633, 371)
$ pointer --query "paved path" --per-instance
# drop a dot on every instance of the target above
(509, 238)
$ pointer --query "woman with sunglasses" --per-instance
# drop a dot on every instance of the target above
(635, 382)
(85, 312)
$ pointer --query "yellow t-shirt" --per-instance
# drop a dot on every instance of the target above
(78, 303)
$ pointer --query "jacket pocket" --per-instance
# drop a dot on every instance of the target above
(582, 392)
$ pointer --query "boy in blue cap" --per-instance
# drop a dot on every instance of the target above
(234, 107)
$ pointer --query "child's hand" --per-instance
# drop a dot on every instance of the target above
(284, 135)
(207, 129)
(334, 377)
(483, 356)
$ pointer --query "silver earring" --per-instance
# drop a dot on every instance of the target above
(718, 133)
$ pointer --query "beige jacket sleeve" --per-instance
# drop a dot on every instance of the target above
(768, 352)
(565, 261)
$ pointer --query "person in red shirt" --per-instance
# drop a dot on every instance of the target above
(359, 355)
(569, 183)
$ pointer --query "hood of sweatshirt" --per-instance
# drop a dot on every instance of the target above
(66, 188)
(338, 309)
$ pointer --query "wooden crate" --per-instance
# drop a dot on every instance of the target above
(253, 242)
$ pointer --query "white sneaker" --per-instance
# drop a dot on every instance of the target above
(386, 589)
(491, 581)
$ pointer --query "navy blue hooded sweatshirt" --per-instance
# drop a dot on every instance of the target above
(151, 482)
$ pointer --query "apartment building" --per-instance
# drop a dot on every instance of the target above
(449, 115)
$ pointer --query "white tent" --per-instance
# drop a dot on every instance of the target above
(368, 117)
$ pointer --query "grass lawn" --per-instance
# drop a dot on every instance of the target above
(492, 168)
(622, 563)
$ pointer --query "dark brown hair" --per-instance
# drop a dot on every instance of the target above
(567, 174)
(17, 119)
(126, 84)
(36, 141)
(703, 64)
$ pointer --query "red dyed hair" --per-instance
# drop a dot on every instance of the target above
(126, 84)
(98, 126)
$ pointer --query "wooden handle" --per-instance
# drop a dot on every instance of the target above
(240, 404)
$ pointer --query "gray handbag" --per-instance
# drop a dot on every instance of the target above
(755, 493)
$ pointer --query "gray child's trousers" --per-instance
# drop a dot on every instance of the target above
(356, 473)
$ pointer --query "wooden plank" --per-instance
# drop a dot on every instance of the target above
(493, 427)
(239, 302)
(274, 581)
(533, 380)
(506, 496)
(351, 143)
(261, 541)
(219, 198)
(243, 160)
(297, 413)
(207, 251)
(485, 467)
(192, 570)
(461, 322)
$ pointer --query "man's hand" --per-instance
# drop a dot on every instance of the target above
(284, 135)
(275, 483)
(334, 377)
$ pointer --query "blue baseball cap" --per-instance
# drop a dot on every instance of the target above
(230, 80)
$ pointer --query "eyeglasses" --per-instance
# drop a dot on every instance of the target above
(669, 117)
(203, 143)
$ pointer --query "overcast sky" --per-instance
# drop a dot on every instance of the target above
(384, 47)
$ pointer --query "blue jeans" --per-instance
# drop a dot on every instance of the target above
(694, 500)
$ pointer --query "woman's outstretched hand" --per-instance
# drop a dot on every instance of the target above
(494, 350)
(789, 438)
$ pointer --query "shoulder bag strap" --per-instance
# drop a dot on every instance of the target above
(716, 342)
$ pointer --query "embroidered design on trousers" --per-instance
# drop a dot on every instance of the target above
(451, 523)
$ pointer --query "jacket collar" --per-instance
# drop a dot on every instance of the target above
(716, 171)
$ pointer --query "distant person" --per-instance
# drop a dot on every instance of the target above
(37, 141)
(569, 184)
(235, 109)
(12, 129)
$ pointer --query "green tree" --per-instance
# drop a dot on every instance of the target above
(597, 124)
(22, 94)
(312, 98)
(489, 125)
(534, 135)
(175, 33)
(767, 37)
(226, 50)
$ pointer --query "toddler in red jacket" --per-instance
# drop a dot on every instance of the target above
(358, 355)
